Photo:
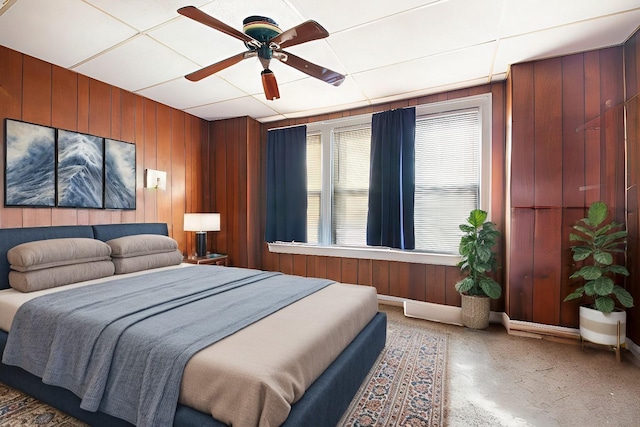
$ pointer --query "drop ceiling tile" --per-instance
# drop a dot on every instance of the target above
(139, 63)
(421, 74)
(526, 16)
(320, 53)
(432, 90)
(353, 12)
(144, 14)
(197, 42)
(246, 106)
(182, 93)
(582, 36)
(323, 110)
(63, 32)
(430, 30)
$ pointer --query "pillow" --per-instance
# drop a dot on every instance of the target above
(146, 262)
(46, 278)
(141, 244)
(42, 254)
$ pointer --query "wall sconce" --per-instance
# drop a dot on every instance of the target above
(155, 179)
(201, 223)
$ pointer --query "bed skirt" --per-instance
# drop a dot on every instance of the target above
(322, 404)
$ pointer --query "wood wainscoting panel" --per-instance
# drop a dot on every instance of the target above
(523, 136)
(547, 280)
(299, 265)
(548, 133)
(519, 305)
(349, 270)
(380, 276)
(592, 117)
(417, 286)
(573, 132)
(177, 176)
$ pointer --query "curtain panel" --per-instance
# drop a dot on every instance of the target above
(392, 179)
(287, 185)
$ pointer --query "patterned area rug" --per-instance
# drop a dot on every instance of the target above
(406, 385)
(17, 409)
(404, 388)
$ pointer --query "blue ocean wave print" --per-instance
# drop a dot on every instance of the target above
(120, 175)
(30, 167)
(79, 170)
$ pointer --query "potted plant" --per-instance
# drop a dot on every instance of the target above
(596, 243)
(478, 261)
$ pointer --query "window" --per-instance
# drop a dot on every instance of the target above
(314, 186)
(350, 201)
(447, 177)
(453, 141)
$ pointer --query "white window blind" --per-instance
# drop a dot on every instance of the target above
(351, 152)
(314, 186)
(447, 176)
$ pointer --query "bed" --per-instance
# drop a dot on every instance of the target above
(319, 401)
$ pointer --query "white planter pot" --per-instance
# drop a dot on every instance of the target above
(475, 311)
(602, 328)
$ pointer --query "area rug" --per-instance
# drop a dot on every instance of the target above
(17, 409)
(404, 388)
(406, 385)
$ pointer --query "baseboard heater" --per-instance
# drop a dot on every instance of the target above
(433, 312)
(453, 315)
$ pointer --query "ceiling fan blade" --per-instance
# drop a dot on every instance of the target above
(321, 73)
(199, 16)
(219, 66)
(305, 32)
(270, 85)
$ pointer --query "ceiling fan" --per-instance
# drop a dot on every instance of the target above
(264, 39)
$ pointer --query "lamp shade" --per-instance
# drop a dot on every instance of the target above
(202, 222)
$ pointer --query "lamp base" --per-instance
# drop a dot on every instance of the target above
(201, 243)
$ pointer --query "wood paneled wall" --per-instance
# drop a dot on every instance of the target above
(567, 151)
(421, 282)
(235, 171)
(35, 91)
(632, 81)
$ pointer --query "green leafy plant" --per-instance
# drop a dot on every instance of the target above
(596, 245)
(478, 258)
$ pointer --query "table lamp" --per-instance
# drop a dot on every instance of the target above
(201, 223)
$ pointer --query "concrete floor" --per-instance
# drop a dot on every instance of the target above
(497, 379)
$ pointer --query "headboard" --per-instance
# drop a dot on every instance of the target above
(10, 237)
(107, 232)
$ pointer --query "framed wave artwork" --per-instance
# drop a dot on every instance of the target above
(30, 159)
(80, 170)
(49, 167)
(119, 175)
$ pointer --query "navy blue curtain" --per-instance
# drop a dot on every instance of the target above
(287, 185)
(392, 179)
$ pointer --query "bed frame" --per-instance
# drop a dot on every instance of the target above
(322, 404)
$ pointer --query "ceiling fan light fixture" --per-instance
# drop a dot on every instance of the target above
(264, 39)
(270, 85)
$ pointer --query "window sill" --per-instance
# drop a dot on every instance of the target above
(386, 254)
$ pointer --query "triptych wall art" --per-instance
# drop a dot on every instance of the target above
(48, 167)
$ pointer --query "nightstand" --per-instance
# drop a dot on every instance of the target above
(210, 259)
